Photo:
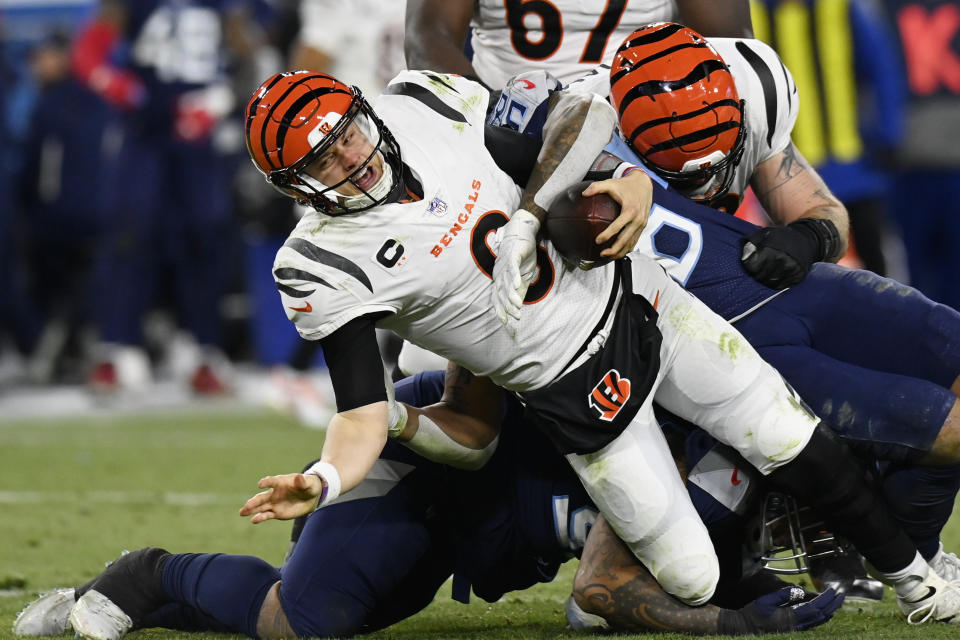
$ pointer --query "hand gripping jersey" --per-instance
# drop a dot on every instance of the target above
(565, 37)
(770, 97)
(428, 263)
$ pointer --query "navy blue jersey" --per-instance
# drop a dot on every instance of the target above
(873, 357)
(700, 248)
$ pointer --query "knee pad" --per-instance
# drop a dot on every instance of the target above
(692, 578)
(683, 561)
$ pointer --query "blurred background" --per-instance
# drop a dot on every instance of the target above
(136, 239)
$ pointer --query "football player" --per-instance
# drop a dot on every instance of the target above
(721, 121)
(716, 117)
(838, 337)
(503, 528)
(563, 37)
(417, 230)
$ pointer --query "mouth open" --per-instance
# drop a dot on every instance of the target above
(367, 179)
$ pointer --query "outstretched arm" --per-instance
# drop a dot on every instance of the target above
(355, 436)
(354, 441)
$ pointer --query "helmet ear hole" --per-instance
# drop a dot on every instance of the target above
(279, 179)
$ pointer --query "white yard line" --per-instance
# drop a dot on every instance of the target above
(120, 497)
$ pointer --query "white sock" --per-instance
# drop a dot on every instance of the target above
(907, 579)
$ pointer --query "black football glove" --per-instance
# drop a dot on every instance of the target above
(781, 257)
(783, 611)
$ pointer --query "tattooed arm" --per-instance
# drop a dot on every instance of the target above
(611, 583)
(790, 189)
(461, 430)
(577, 128)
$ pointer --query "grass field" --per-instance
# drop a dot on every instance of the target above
(75, 492)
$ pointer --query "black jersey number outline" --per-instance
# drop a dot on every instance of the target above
(552, 28)
(484, 257)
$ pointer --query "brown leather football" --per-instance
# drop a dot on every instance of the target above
(574, 222)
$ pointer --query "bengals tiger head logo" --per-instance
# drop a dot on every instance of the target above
(610, 395)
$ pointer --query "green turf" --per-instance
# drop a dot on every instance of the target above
(76, 492)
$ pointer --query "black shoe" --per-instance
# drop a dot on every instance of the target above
(845, 574)
(127, 591)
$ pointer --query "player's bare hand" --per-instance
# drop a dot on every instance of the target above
(285, 497)
(634, 192)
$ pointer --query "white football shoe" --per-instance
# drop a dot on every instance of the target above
(580, 620)
(48, 615)
(946, 565)
(96, 617)
(934, 599)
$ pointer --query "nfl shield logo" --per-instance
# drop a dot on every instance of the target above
(438, 207)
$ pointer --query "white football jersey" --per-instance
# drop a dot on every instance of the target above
(568, 38)
(772, 102)
(428, 263)
(763, 83)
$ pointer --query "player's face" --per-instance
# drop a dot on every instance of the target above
(346, 157)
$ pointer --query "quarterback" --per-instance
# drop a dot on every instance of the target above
(417, 230)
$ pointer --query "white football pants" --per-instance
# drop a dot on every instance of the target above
(710, 375)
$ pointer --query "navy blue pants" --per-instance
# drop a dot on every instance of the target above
(170, 233)
(872, 357)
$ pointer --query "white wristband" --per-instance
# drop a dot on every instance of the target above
(330, 478)
(625, 168)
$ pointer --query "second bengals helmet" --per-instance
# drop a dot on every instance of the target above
(294, 117)
(679, 109)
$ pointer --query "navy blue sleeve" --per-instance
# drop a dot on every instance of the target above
(421, 389)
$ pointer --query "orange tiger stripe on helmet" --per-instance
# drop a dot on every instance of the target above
(285, 110)
(676, 98)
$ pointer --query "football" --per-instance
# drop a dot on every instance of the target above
(574, 221)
